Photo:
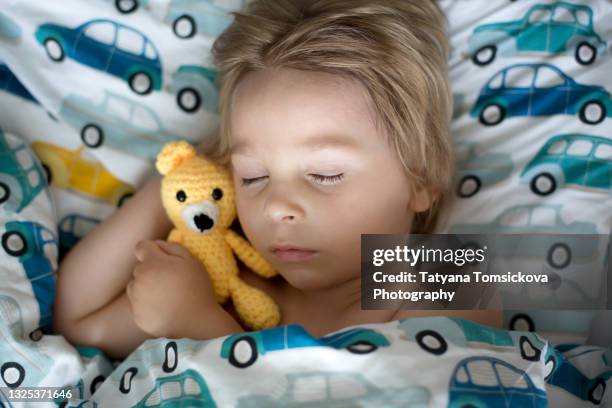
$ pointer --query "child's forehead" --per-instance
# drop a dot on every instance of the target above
(301, 107)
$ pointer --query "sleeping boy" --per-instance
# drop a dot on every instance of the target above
(334, 122)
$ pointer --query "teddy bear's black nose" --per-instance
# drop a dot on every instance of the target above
(203, 222)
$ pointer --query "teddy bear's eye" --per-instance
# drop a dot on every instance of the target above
(217, 194)
(181, 196)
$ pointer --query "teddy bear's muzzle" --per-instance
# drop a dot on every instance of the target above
(201, 216)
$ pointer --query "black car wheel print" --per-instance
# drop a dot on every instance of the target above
(528, 351)
(559, 255)
(543, 184)
(592, 112)
(141, 83)
(92, 135)
(597, 392)
(14, 243)
(585, 53)
(485, 55)
(36, 334)
(549, 367)
(522, 322)
(5, 192)
(361, 347)
(468, 186)
(126, 6)
(184, 26)
(243, 352)
(171, 357)
(432, 342)
(12, 374)
(54, 49)
(125, 384)
(492, 114)
(95, 383)
(188, 99)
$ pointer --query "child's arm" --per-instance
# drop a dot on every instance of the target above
(91, 306)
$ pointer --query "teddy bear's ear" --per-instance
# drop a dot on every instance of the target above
(173, 154)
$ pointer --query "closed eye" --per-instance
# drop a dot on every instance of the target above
(247, 181)
(327, 180)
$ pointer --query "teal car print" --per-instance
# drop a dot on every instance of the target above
(107, 46)
(243, 349)
(337, 389)
(539, 90)
(570, 159)
(117, 122)
(23, 363)
(545, 28)
(557, 241)
(195, 87)
(36, 248)
(154, 353)
(187, 389)
(434, 334)
(22, 177)
(10, 315)
(491, 382)
(475, 171)
(8, 28)
(129, 6)
(208, 17)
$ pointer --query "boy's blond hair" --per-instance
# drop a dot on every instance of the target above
(396, 48)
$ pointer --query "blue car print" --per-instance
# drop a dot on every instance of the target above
(209, 17)
(36, 247)
(9, 83)
(117, 122)
(242, 349)
(187, 389)
(72, 228)
(475, 171)
(195, 86)
(539, 90)
(545, 28)
(107, 46)
(490, 382)
(570, 159)
(21, 175)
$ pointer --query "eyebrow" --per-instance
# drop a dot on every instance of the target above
(314, 143)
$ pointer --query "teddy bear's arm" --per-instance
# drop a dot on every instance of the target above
(249, 255)
(175, 236)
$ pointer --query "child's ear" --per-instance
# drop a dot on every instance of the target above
(423, 198)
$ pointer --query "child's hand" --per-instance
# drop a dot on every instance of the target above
(169, 287)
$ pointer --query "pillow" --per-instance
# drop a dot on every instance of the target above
(98, 87)
(532, 107)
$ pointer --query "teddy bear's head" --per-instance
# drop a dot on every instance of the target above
(197, 193)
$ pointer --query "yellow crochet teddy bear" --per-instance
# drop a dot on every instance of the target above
(198, 196)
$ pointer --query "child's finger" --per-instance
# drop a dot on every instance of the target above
(145, 249)
(172, 248)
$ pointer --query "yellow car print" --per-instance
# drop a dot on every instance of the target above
(75, 170)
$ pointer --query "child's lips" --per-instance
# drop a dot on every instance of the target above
(290, 253)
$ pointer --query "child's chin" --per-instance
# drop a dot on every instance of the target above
(303, 279)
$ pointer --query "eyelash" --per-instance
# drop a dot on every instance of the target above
(326, 180)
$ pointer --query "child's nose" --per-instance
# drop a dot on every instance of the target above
(282, 209)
